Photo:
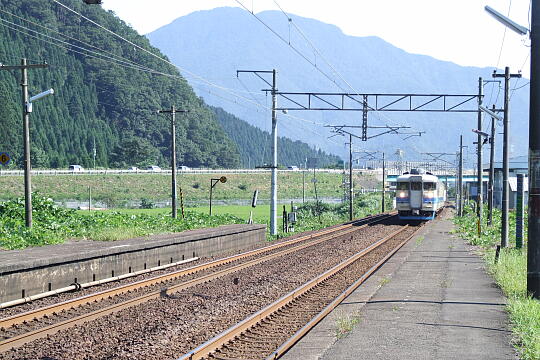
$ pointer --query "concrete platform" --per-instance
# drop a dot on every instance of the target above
(432, 300)
(35, 270)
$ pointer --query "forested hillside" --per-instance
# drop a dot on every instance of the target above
(368, 64)
(254, 145)
(107, 93)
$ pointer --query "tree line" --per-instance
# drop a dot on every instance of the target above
(106, 111)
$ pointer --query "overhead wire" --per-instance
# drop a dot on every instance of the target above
(69, 37)
(83, 51)
(202, 79)
(184, 70)
(500, 53)
(317, 51)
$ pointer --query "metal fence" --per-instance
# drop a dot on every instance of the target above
(160, 172)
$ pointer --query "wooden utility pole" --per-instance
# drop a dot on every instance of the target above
(26, 134)
(174, 196)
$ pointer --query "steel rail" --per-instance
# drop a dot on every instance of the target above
(283, 348)
(69, 304)
(223, 338)
(22, 339)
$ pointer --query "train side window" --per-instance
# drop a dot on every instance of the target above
(416, 186)
(430, 186)
(402, 186)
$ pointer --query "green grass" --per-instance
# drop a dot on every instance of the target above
(116, 190)
(53, 224)
(510, 273)
(345, 323)
(260, 212)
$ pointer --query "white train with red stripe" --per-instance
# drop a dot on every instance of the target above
(419, 195)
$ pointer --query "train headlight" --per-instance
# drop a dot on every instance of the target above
(402, 194)
(429, 194)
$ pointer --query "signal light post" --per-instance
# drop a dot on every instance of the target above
(213, 182)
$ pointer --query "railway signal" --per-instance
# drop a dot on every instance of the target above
(5, 159)
(213, 182)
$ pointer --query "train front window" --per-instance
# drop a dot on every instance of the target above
(416, 186)
(430, 186)
(402, 186)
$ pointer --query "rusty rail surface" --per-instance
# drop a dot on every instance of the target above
(223, 338)
(20, 340)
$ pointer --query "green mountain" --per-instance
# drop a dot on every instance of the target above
(254, 145)
(107, 93)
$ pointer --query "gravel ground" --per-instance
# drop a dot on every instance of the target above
(40, 303)
(264, 338)
(167, 327)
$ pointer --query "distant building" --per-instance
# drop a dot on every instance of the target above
(516, 165)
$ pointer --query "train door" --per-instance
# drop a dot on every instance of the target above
(416, 196)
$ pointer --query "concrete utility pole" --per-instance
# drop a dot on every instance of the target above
(383, 182)
(26, 134)
(274, 92)
(480, 186)
(460, 178)
(174, 190)
(491, 169)
(506, 122)
(533, 250)
(273, 205)
(351, 191)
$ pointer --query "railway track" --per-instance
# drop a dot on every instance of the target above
(270, 332)
(23, 328)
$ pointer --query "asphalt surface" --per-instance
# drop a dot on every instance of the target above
(432, 300)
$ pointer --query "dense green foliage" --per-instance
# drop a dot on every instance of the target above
(317, 215)
(111, 104)
(254, 145)
(510, 273)
(53, 224)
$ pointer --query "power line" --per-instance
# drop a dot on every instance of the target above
(152, 54)
(95, 55)
(290, 20)
(67, 36)
(135, 66)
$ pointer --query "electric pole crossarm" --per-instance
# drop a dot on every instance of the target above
(393, 130)
(257, 72)
(325, 101)
(388, 105)
(20, 67)
(273, 182)
(429, 102)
